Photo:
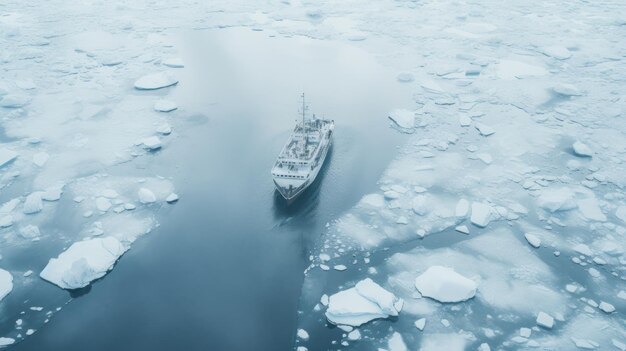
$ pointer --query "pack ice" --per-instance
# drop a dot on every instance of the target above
(83, 262)
(364, 302)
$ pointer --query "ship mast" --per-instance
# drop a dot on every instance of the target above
(303, 110)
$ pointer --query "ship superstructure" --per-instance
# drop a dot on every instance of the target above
(303, 155)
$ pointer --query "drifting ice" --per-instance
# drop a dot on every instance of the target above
(83, 262)
(445, 285)
(155, 81)
(361, 304)
(6, 283)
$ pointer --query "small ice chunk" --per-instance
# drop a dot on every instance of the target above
(445, 285)
(354, 335)
(405, 77)
(152, 143)
(525, 332)
(174, 62)
(462, 208)
(29, 232)
(6, 341)
(6, 221)
(171, 198)
(377, 200)
(462, 229)
(156, 80)
(606, 307)
(165, 105)
(146, 196)
(14, 101)
(33, 203)
(621, 213)
(404, 119)
(361, 304)
(303, 334)
(566, 90)
(545, 320)
(558, 52)
(83, 262)
(420, 323)
(324, 300)
(396, 343)
(557, 199)
(30, 331)
(164, 129)
(585, 344)
(465, 121)
(484, 347)
(40, 158)
(481, 214)
(340, 267)
(103, 204)
(53, 193)
(484, 129)
(590, 209)
(6, 283)
(28, 273)
(7, 156)
(583, 249)
(486, 158)
(581, 149)
(533, 240)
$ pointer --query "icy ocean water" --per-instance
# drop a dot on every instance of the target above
(224, 270)
(473, 199)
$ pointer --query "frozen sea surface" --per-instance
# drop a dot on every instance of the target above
(228, 256)
(505, 166)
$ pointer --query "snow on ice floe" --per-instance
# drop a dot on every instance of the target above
(581, 149)
(512, 69)
(14, 101)
(6, 283)
(156, 80)
(403, 119)
(364, 302)
(445, 285)
(83, 262)
(566, 89)
(174, 62)
(163, 105)
(558, 52)
(7, 156)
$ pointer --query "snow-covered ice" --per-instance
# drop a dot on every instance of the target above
(6, 283)
(156, 80)
(83, 262)
(445, 285)
(364, 302)
(403, 119)
(163, 105)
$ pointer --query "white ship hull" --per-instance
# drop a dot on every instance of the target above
(293, 175)
(292, 190)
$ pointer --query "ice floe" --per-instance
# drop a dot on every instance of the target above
(156, 80)
(163, 105)
(364, 302)
(83, 262)
(445, 285)
(6, 283)
(403, 119)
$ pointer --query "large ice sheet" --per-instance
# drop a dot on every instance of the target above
(83, 262)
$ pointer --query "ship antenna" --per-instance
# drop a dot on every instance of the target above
(303, 110)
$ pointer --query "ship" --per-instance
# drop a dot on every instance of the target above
(302, 157)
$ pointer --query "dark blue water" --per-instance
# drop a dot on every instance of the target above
(224, 270)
